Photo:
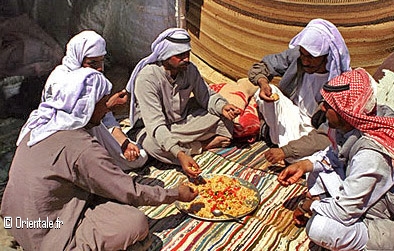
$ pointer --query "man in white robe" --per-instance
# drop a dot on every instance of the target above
(181, 114)
(316, 55)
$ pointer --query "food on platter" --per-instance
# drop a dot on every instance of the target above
(231, 195)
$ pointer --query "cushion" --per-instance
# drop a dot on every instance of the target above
(240, 94)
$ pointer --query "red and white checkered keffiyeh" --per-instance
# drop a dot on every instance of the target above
(352, 97)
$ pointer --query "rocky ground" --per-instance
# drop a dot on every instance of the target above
(9, 130)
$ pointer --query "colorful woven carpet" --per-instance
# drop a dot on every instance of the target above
(269, 227)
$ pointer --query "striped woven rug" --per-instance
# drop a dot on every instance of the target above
(269, 227)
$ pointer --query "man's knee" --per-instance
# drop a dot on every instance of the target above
(112, 226)
(132, 226)
(136, 225)
(333, 235)
(381, 234)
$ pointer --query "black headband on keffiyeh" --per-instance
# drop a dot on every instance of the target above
(178, 40)
(330, 88)
(351, 95)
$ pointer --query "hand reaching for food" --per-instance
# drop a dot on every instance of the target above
(189, 165)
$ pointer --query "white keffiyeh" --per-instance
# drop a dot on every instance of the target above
(71, 91)
(170, 42)
(320, 37)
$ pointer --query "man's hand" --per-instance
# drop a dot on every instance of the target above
(275, 155)
(186, 193)
(300, 218)
(230, 111)
(303, 211)
(294, 172)
(265, 90)
(189, 165)
(119, 98)
(131, 151)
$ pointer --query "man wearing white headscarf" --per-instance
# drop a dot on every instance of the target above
(177, 126)
(65, 192)
(317, 54)
(85, 54)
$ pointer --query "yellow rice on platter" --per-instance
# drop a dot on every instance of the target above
(224, 193)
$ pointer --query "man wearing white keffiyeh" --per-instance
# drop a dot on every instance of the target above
(177, 126)
(82, 64)
(315, 55)
(64, 180)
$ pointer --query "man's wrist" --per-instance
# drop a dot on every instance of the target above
(302, 204)
(125, 144)
(262, 81)
(180, 154)
(175, 150)
(287, 151)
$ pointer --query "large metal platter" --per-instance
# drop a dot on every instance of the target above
(253, 202)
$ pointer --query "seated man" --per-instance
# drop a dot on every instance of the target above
(87, 50)
(181, 114)
(351, 183)
(64, 185)
(317, 54)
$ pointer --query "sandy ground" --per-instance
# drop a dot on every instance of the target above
(7, 242)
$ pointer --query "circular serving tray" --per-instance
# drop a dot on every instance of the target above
(254, 202)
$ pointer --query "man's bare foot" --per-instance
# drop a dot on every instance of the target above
(216, 142)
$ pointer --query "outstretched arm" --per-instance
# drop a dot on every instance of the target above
(294, 172)
(117, 99)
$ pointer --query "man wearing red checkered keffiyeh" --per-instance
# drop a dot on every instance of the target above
(351, 183)
(357, 106)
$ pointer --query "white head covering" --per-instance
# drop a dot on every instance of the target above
(85, 44)
(170, 42)
(70, 107)
(71, 91)
(320, 37)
